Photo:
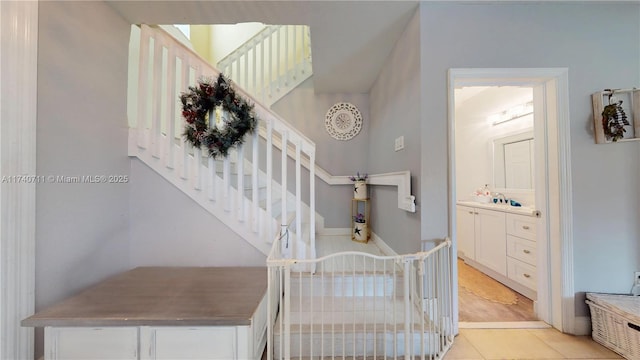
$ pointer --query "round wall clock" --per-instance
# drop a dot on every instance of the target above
(343, 121)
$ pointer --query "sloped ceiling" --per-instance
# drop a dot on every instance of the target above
(350, 40)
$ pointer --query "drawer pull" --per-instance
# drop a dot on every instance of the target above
(526, 251)
(471, 212)
(525, 227)
(527, 276)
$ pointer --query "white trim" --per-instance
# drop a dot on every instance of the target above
(504, 325)
(18, 114)
(400, 179)
(556, 279)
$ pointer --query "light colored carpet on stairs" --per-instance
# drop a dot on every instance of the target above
(477, 283)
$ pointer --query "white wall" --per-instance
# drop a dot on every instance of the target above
(225, 38)
(606, 197)
(306, 111)
(395, 111)
(474, 136)
(169, 229)
(81, 229)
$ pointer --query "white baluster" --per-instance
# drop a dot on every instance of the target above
(295, 51)
(270, 66)
(246, 70)
(240, 167)
(172, 113)
(298, 199)
(255, 70)
(269, 179)
(156, 97)
(283, 187)
(278, 61)
(226, 178)
(212, 179)
(312, 202)
(143, 86)
(286, 56)
(197, 169)
(254, 178)
(185, 160)
(263, 88)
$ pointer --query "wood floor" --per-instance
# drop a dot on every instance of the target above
(473, 308)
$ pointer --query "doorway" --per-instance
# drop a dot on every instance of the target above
(555, 295)
(494, 153)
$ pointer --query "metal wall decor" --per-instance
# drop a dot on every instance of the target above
(343, 121)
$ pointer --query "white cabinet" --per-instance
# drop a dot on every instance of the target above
(491, 245)
(465, 230)
(158, 342)
(500, 244)
(481, 237)
(91, 343)
(521, 250)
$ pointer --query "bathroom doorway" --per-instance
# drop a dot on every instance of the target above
(494, 167)
(552, 185)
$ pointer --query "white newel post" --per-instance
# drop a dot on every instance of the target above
(18, 70)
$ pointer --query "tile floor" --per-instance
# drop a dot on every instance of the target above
(473, 344)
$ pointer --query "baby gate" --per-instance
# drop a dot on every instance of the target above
(359, 305)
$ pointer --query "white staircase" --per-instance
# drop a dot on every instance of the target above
(245, 190)
(271, 63)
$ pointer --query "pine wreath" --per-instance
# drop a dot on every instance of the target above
(613, 121)
(217, 119)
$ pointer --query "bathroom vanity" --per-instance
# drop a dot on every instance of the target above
(500, 241)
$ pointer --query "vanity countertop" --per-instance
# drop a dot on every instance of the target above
(521, 210)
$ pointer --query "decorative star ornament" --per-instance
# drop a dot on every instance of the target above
(357, 231)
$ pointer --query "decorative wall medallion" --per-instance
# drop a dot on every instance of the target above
(343, 121)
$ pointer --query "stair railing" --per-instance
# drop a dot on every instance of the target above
(272, 62)
(166, 69)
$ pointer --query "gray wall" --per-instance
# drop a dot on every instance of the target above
(169, 229)
(306, 111)
(395, 111)
(81, 229)
(600, 44)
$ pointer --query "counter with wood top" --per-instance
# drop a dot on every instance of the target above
(161, 313)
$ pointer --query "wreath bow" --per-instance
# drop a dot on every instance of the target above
(217, 119)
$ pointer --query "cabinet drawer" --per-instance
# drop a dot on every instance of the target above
(521, 249)
(522, 272)
(522, 226)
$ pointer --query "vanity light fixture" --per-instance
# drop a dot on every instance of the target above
(512, 113)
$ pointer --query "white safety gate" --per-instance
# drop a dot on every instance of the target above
(359, 305)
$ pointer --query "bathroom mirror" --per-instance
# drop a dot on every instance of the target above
(513, 166)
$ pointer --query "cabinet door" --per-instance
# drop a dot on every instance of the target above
(465, 231)
(491, 240)
(91, 343)
(170, 343)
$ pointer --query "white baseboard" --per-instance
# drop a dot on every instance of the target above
(504, 325)
(582, 325)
